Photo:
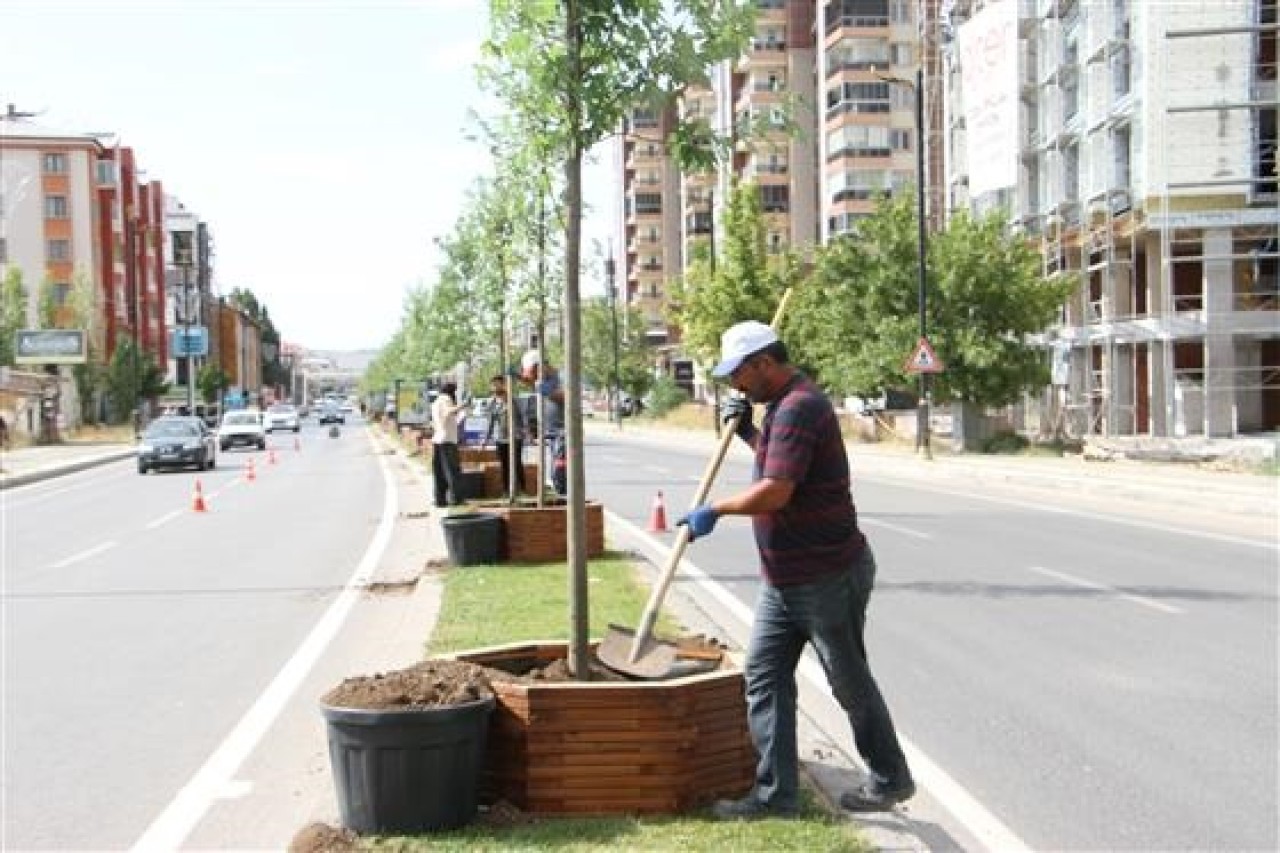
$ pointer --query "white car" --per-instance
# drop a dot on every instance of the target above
(282, 416)
(243, 428)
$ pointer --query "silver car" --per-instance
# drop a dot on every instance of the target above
(282, 416)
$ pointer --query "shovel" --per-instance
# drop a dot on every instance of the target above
(640, 655)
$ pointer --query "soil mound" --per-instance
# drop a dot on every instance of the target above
(428, 684)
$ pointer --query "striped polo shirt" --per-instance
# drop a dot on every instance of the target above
(816, 534)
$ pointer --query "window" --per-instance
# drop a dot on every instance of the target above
(59, 251)
(644, 118)
(54, 164)
(775, 199)
(106, 173)
(900, 54)
(859, 141)
(858, 98)
(857, 53)
(61, 293)
(1120, 147)
(648, 203)
(55, 207)
(900, 11)
(859, 13)
(1071, 173)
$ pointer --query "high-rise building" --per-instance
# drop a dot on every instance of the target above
(868, 135)
(1136, 143)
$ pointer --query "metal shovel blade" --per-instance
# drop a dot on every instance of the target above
(618, 651)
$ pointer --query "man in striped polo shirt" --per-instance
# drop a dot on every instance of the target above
(818, 573)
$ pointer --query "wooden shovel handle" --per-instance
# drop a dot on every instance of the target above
(659, 593)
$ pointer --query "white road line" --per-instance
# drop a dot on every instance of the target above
(83, 555)
(212, 781)
(1102, 587)
(896, 528)
(949, 793)
(902, 482)
(164, 519)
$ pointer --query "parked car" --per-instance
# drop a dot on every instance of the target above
(243, 427)
(177, 441)
(282, 416)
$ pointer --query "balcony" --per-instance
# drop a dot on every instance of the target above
(857, 22)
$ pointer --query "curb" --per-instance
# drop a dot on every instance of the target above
(9, 481)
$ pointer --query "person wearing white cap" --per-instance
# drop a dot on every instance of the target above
(818, 571)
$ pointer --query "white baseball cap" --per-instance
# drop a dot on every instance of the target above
(739, 342)
(530, 360)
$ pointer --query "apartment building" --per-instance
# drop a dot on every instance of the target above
(650, 217)
(1137, 144)
(72, 207)
(827, 136)
(871, 50)
(190, 304)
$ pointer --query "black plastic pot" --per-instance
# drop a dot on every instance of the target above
(472, 538)
(407, 771)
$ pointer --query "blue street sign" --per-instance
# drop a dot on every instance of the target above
(185, 341)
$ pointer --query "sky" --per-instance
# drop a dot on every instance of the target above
(324, 142)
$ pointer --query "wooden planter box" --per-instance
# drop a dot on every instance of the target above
(476, 457)
(604, 747)
(538, 535)
(493, 485)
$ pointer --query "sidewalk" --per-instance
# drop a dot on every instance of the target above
(22, 465)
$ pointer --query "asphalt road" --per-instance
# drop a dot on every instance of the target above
(1066, 680)
(138, 633)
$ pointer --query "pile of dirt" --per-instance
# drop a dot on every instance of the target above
(322, 838)
(428, 684)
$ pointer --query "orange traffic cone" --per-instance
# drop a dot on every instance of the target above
(198, 504)
(271, 456)
(658, 517)
(250, 475)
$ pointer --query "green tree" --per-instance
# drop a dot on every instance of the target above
(13, 313)
(743, 282)
(273, 371)
(81, 312)
(212, 381)
(132, 376)
(571, 71)
(47, 304)
(857, 321)
(635, 355)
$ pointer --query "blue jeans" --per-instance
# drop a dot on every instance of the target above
(830, 614)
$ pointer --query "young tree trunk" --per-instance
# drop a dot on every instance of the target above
(576, 550)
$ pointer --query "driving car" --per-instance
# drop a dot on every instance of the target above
(243, 427)
(282, 416)
(176, 441)
(331, 414)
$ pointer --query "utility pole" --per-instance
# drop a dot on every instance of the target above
(609, 272)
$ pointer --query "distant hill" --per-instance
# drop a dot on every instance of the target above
(356, 361)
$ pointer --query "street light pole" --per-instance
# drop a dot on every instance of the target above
(922, 254)
(186, 338)
(609, 271)
(922, 407)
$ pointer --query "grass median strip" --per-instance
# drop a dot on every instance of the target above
(494, 605)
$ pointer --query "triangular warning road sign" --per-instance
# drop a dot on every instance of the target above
(923, 359)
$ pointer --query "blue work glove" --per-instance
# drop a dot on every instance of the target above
(739, 408)
(545, 387)
(700, 521)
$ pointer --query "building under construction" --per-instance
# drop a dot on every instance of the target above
(1147, 168)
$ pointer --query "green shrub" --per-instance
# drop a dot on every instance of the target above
(664, 396)
(1005, 442)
